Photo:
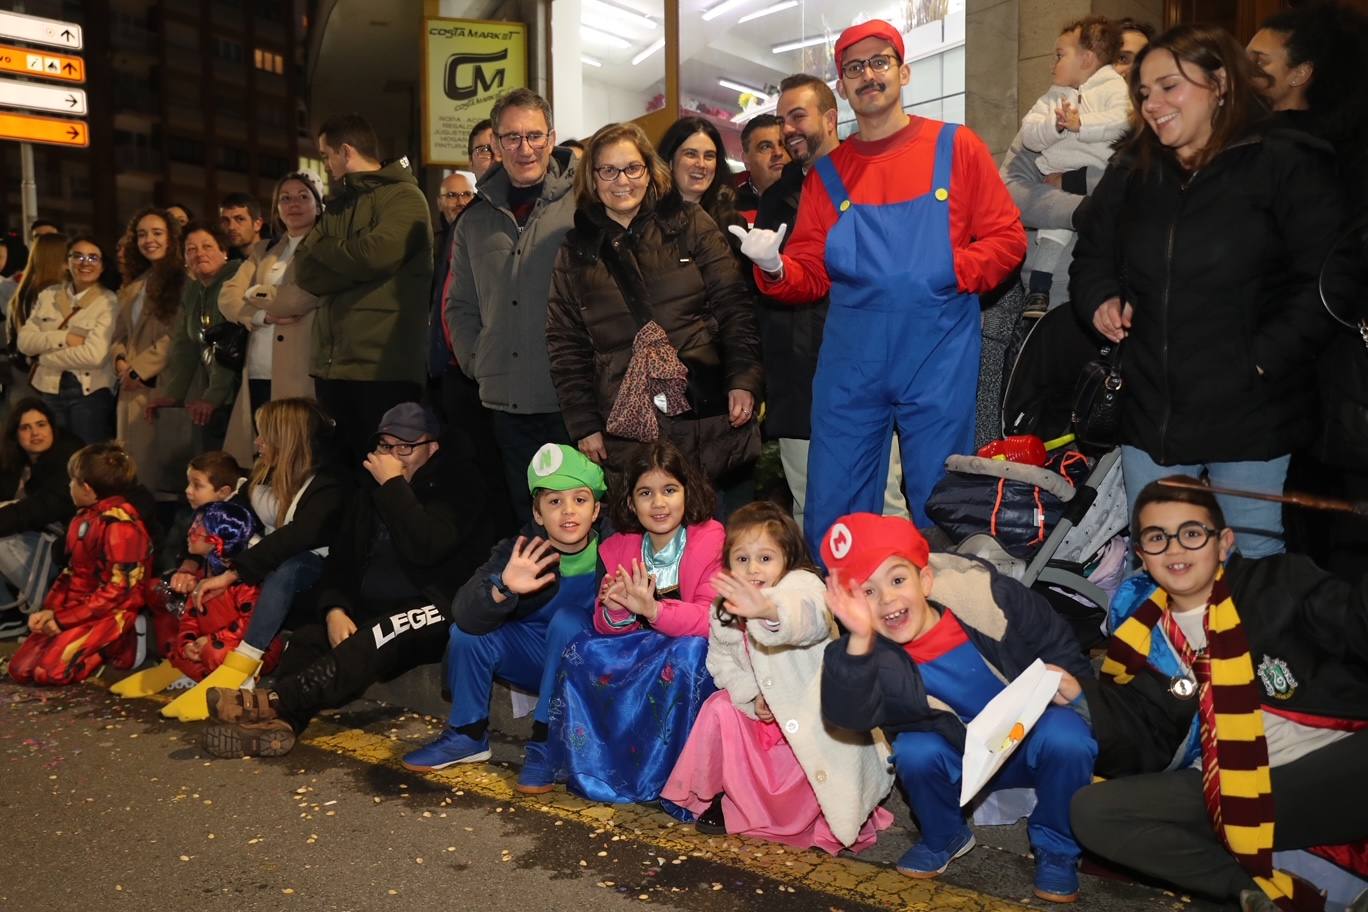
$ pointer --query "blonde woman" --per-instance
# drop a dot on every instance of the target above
(150, 260)
(264, 298)
(46, 268)
(298, 493)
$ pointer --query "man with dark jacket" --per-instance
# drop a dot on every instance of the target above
(369, 261)
(791, 334)
(403, 550)
(505, 249)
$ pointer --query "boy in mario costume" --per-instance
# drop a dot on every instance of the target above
(904, 224)
(919, 669)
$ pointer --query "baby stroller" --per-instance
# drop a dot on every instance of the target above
(1052, 516)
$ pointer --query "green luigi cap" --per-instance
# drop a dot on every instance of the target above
(557, 467)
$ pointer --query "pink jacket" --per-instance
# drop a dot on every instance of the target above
(685, 616)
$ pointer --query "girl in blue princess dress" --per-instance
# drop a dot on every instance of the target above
(628, 692)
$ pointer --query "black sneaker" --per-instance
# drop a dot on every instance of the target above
(711, 822)
(13, 623)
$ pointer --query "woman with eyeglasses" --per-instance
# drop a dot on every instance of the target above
(650, 328)
(263, 297)
(69, 334)
(1198, 253)
(195, 376)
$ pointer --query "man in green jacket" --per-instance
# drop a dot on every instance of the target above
(369, 261)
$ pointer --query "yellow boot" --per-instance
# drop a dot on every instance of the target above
(233, 673)
(147, 682)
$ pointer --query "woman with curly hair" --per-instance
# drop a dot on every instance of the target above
(153, 269)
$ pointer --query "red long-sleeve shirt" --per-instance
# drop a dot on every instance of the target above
(985, 225)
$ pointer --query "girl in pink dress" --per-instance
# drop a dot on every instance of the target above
(760, 761)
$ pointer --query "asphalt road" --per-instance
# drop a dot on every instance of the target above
(107, 806)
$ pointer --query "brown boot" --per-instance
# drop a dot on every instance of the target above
(273, 738)
(227, 704)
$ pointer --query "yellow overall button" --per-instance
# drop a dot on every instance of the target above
(942, 194)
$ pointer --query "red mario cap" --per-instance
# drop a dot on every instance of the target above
(874, 28)
(859, 542)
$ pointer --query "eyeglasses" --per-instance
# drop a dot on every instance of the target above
(483, 150)
(466, 195)
(609, 173)
(93, 259)
(879, 63)
(401, 449)
(1191, 535)
(511, 141)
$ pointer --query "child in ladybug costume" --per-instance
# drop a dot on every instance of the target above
(211, 628)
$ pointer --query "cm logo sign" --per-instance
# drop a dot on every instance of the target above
(466, 76)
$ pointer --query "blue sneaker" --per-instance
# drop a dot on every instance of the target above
(537, 777)
(1056, 877)
(921, 862)
(450, 748)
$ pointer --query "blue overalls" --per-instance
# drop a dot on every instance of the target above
(524, 653)
(901, 344)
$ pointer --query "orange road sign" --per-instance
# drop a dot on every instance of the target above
(30, 62)
(28, 128)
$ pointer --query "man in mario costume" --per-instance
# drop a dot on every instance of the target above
(904, 224)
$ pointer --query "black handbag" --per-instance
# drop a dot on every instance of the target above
(1098, 400)
(226, 343)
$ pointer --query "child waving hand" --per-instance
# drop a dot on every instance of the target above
(760, 761)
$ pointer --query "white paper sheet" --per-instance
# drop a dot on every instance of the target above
(987, 739)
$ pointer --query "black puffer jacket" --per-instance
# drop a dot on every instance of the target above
(790, 334)
(1221, 268)
(682, 270)
(438, 525)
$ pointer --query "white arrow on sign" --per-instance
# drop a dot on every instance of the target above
(39, 30)
(39, 97)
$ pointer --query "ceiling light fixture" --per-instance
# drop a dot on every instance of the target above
(743, 88)
(590, 61)
(613, 13)
(655, 46)
(768, 11)
(603, 37)
(800, 43)
(718, 9)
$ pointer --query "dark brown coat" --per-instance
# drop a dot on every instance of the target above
(681, 270)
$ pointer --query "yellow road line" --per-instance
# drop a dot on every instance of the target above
(843, 877)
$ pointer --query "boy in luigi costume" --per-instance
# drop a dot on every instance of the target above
(515, 616)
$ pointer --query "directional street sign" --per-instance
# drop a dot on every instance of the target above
(39, 97)
(38, 30)
(49, 66)
(30, 128)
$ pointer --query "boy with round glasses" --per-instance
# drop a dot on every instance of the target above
(1233, 705)
(904, 224)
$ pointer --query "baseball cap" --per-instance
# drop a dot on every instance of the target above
(409, 421)
(874, 28)
(557, 467)
(858, 543)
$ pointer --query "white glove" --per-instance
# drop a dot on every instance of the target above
(762, 246)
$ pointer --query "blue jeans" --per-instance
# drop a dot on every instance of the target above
(90, 418)
(17, 553)
(295, 575)
(1056, 759)
(1257, 523)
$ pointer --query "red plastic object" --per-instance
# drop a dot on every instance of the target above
(1027, 449)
